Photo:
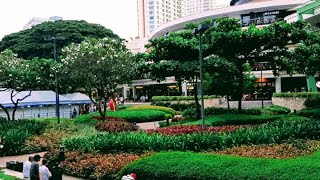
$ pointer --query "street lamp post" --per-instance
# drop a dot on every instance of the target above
(54, 40)
(200, 30)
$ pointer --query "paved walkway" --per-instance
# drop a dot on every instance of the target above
(149, 125)
(23, 158)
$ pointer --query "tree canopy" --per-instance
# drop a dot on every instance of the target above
(35, 42)
(97, 65)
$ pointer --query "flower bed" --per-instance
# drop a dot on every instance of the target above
(96, 166)
(116, 126)
(269, 133)
(178, 130)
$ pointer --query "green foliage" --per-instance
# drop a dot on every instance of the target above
(15, 134)
(168, 116)
(195, 166)
(139, 116)
(190, 112)
(175, 106)
(129, 116)
(35, 42)
(148, 107)
(268, 133)
(312, 98)
(6, 177)
(276, 110)
(237, 119)
(313, 113)
(179, 98)
(86, 119)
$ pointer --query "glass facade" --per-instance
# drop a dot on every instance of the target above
(263, 18)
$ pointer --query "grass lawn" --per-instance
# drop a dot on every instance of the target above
(199, 166)
(6, 177)
(236, 119)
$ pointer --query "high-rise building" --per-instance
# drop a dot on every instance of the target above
(153, 13)
(197, 6)
(36, 21)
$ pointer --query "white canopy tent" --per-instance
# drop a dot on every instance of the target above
(42, 104)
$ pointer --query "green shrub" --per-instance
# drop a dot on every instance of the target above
(175, 106)
(123, 107)
(236, 119)
(168, 116)
(86, 119)
(139, 116)
(277, 110)
(148, 107)
(313, 113)
(191, 112)
(15, 134)
(196, 166)
(312, 98)
(179, 98)
(269, 133)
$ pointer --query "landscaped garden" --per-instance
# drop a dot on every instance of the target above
(253, 144)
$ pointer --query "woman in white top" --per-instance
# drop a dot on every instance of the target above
(45, 174)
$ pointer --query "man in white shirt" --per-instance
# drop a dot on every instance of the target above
(45, 174)
(26, 168)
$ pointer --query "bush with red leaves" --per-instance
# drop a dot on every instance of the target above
(108, 118)
(116, 126)
(177, 130)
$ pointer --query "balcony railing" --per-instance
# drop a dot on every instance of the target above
(260, 21)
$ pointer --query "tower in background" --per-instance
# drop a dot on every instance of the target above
(154, 13)
(36, 21)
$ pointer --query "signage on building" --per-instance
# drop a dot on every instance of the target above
(271, 13)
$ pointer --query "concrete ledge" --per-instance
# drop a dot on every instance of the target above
(293, 103)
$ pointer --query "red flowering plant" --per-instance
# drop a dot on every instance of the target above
(178, 130)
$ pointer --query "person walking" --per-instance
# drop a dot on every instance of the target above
(34, 169)
(45, 174)
(26, 168)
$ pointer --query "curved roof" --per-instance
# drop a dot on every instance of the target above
(232, 11)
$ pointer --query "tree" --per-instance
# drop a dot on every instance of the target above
(253, 45)
(305, 59)
(17, 75)
(35, 42)
(176, 55)
(97, 65)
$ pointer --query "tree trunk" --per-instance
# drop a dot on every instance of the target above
(6, 111)
(240, 93)
(104, 108)
(195, 93)
(180, 87)
(14, 112)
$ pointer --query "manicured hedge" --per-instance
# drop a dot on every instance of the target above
(237, 119)
(268, 133)
(313, 113)
(130, 116)
(148, 107)
(15, 134)
(276, 110)
(191, 112)
(179, 98)
(312, 98)
(175, 106)
(195, 166)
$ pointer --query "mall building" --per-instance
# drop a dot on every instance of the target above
(258, 12)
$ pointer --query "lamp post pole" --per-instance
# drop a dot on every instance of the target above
(201, 81)
(56, 80)
(261, 86)
(201, 28)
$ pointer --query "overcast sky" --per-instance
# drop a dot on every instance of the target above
(118, 15)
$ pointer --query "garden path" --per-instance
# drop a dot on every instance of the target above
(22, 158)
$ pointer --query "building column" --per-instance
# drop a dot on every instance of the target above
(134, 93)
(124, 91)
(185, 88)
(278, 85)
(311, 82)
